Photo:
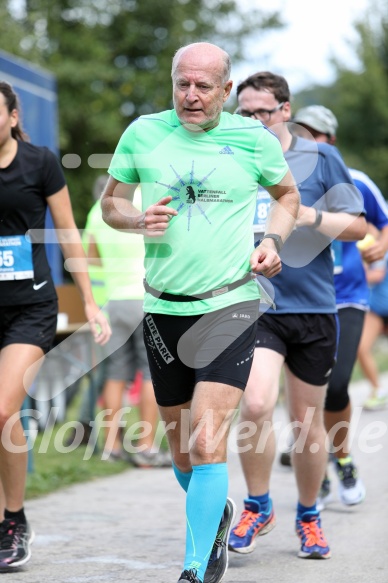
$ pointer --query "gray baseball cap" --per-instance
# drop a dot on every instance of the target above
(318, 118)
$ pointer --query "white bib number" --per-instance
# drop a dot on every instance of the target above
(263, 202)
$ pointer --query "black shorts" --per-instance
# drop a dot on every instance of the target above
(29, 324)
(308, 343)
(351, 321)
(184, 350)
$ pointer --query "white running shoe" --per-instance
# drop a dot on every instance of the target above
(351, 490)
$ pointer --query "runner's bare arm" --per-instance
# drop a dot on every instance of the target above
(281, 221)
(119, 212)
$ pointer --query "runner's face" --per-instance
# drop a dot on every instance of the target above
(253, 100)
(199, 91)
(7, 121)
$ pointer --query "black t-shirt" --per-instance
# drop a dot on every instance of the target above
(33, 175)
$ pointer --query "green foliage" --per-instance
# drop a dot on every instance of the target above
(359, 99)
(361, 103)
(112, 61)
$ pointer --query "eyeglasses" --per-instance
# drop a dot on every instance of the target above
(262, 114)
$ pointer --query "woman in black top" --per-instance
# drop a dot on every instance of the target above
(30, 180)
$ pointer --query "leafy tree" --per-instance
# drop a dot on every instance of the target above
(112, 61)
(361, 103)
(359, 99)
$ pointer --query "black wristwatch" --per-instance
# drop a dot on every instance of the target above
(277, 240)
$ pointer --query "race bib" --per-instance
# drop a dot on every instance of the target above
(16, 258)
(336, 253)
(263, 202)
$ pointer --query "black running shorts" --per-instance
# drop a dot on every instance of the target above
(215, 347)
(351, 321)
(29, 324)
(308, 343)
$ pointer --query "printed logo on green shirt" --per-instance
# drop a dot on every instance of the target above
(192, 195)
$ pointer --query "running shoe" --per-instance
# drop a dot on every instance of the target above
(218, 562)
(80, 436)
(376, 403)
(285, 455)
(15, 541)
(351, 489)
(151, 459)
(190, 576)
(253, 522)
(309, 530)
(116, 456)
(325, 496)
(285, 458)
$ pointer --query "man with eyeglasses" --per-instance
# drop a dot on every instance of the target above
(301, 335)
(263, 115)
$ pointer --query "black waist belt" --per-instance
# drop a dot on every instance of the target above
(205, 296)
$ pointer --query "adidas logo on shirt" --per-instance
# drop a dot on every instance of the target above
(226, 150)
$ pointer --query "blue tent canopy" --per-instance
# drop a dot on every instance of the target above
(37, 91)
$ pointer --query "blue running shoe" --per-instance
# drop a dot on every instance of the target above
(253, 522)
(309, 530)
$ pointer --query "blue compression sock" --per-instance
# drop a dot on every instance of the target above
(205, 503)
(300, 510)
(262, 500)
(182, 477)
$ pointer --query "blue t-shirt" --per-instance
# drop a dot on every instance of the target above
(306, 282)
(350, 282)
(378, 298)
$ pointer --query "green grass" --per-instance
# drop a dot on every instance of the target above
(53, 468)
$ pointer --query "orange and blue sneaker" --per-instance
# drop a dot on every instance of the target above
(309, 530)
(253, 522)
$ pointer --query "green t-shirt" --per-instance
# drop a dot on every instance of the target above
(96, 272)
(122, 256)
(213, 178)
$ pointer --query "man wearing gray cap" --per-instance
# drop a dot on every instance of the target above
(319, 121)
(352, 295)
